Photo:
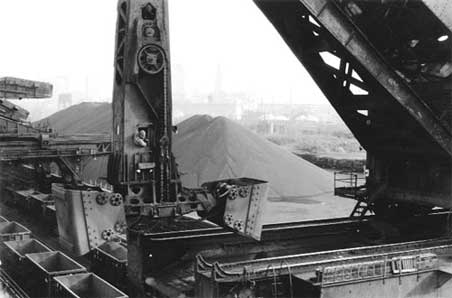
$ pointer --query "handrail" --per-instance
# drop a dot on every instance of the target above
(351, 181)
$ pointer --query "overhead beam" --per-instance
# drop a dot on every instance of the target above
(355, 44)
(352, 39)
(291, 21)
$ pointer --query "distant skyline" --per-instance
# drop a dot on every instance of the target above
(71, 44)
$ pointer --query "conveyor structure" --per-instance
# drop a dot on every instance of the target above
(386, 68)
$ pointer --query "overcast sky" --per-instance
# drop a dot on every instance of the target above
(70, 43)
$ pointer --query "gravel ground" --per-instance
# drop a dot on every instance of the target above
(318, 207)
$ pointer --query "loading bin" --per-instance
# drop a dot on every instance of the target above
(45, 266)
(109, 261)
(14, 256)
(11, 231)
(85, 285)
(82, 220)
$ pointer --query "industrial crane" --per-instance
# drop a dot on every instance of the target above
(401, 116)
(142, 168)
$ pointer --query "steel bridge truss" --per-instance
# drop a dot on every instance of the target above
(385, 66)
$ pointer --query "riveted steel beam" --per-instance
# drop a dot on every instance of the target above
(354, 41)
(351, 41)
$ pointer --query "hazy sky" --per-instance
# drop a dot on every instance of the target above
(71, 44)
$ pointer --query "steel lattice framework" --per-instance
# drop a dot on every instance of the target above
(385, 66)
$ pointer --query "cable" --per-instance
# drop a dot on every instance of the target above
(274, 283)
(290, 277)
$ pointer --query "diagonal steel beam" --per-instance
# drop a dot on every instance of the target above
(442, 9)
(331, 17)
(354, 41)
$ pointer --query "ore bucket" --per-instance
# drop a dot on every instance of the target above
(85, 285)
(14, 257)
(47, 265)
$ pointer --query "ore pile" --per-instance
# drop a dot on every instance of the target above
(87, 117)
(209, 149)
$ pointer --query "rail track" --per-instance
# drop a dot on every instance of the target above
(310, 262)
(185, 248)
(8, 285)
(285, 249)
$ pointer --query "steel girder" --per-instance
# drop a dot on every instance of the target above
(345, 39)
